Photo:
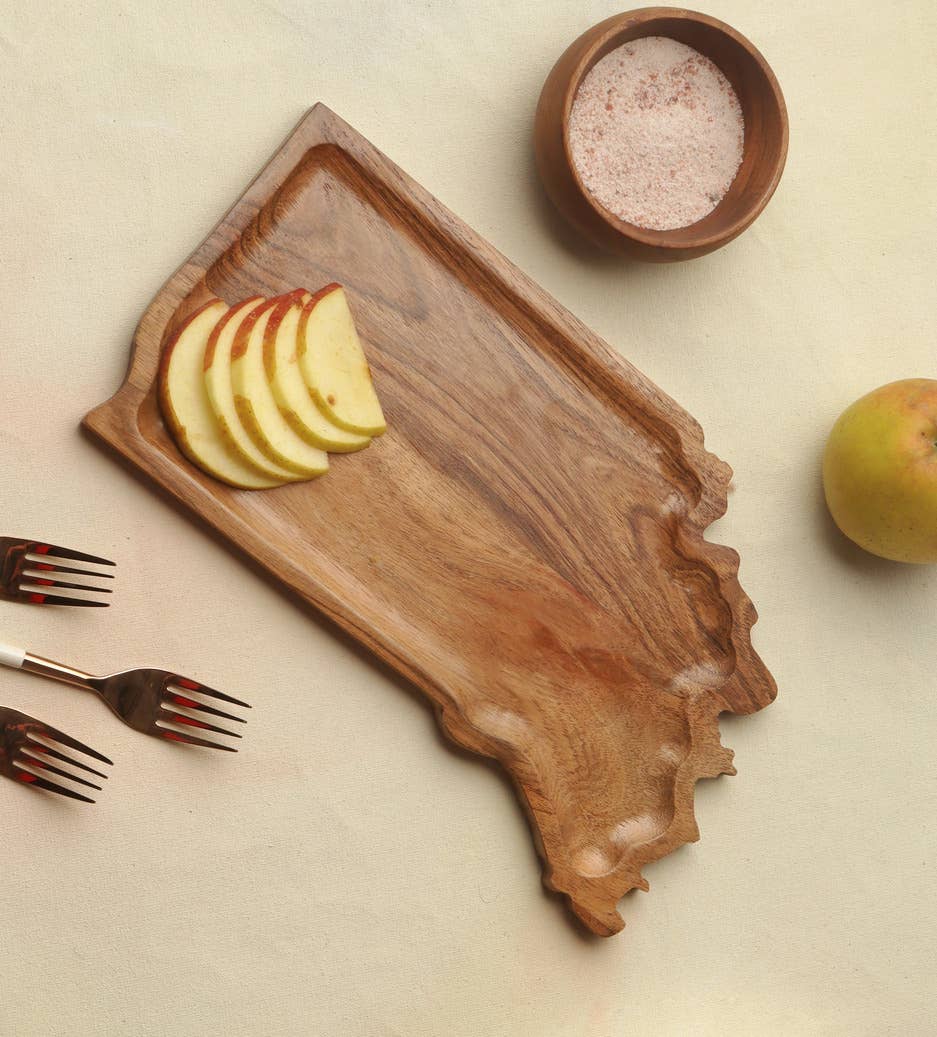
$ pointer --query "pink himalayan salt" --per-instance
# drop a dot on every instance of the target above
(656, 133)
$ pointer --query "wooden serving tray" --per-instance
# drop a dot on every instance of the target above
(525, 543)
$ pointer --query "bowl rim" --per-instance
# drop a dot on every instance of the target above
(663, 239)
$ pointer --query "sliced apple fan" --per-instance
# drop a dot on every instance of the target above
(256, 394)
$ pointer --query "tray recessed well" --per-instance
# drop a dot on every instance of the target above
(525, 543)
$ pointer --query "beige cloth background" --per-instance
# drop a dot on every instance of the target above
(346, 875)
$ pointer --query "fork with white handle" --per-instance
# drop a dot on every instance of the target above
(156, 702)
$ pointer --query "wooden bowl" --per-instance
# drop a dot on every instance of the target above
(766, 134)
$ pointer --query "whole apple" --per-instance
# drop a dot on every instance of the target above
(880, 471)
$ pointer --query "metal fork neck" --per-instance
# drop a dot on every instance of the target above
(58, 671)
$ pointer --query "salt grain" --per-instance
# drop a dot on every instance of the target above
(656, 133)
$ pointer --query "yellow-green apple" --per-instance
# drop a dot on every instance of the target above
(334, 365)
(217, 377)
(185, 405)
(281, 362)
(880, 471)
(256, 405)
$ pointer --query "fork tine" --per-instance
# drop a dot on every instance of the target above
(200, 707)
(41, 783)
(45, 731)
(38, 747)
(37, 598)
(48, 567)
(178, 736)
(203, 689)
(37, 548)
(178, 718)
(42, 581)
(31, 761)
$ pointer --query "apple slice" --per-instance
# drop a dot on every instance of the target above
(188, 411)
(217, 378)
(334, 365)
(257, 406)
(281, 362)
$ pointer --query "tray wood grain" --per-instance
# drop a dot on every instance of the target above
(525, 544)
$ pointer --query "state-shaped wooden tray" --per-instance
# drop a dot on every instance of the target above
(525, 544)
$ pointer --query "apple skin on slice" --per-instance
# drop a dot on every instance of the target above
(334, 365)
(281, 362)
(217, 377)
(257, 406)
(184, 402)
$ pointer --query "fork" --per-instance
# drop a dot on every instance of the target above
(28, 568)
(156, 702)
(25, 754)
